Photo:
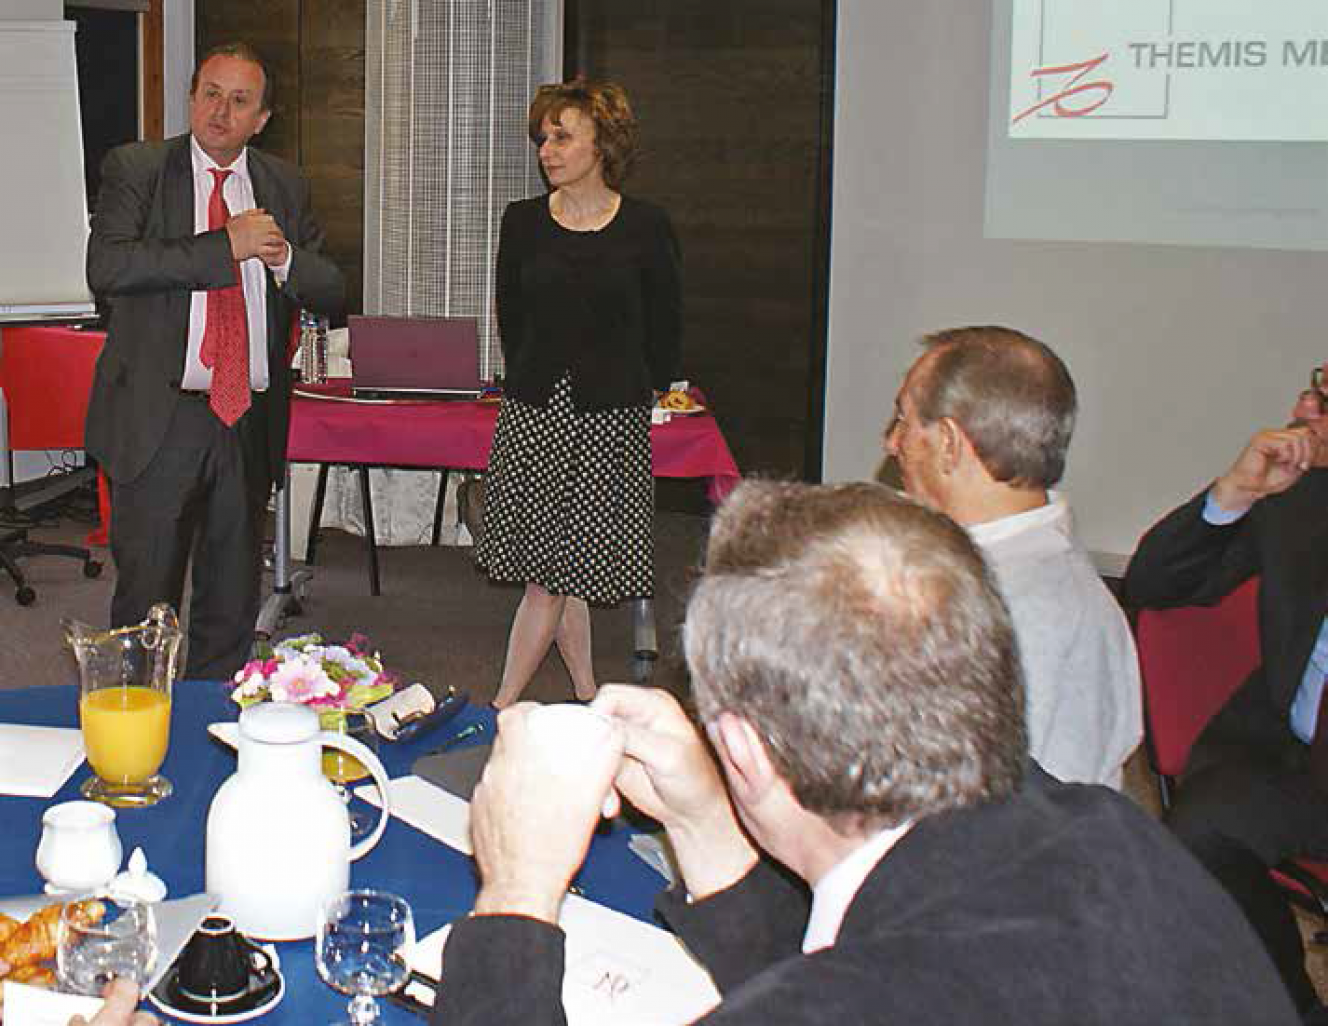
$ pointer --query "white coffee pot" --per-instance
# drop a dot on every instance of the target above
(278, 834)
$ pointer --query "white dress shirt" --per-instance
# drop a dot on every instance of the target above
(238, 191)
(835, 891)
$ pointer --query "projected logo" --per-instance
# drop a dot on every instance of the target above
(1167, 69)
(1075, 68)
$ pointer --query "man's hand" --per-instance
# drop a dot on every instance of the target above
(274, 252)
(532, 815)
(121, 999)
(669, 773)
(255, 233)
(1271, 463)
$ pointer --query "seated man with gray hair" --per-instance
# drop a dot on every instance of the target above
(980, 430)
(856, 675)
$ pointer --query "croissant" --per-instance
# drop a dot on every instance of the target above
(34, 976)
(34, 941)
(7, 926)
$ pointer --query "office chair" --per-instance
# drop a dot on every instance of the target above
(1192, 659)
(14, 542)
(14, 545)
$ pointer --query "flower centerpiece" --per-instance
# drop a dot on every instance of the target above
(309, 671)
(334, 680)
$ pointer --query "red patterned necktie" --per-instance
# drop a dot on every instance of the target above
(225, 348)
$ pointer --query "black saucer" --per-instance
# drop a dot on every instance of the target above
(264, 990)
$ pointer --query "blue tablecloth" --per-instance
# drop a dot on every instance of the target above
(438, 881)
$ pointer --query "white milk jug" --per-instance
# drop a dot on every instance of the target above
(278, 834)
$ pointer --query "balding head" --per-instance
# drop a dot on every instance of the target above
(861, 635)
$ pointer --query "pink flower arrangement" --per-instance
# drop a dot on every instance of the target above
(311, 672)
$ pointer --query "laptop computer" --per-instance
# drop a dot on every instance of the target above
(415, 357)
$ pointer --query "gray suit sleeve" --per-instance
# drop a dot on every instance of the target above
(123, 259)
(314, 282)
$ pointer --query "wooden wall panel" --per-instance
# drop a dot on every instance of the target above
(332, 129)
(729, 97)
(152, 47)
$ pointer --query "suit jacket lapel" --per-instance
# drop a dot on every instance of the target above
(178, 190)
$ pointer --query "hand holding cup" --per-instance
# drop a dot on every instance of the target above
(537, 804)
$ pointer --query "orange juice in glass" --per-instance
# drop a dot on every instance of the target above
(126, 677)
(126, 731)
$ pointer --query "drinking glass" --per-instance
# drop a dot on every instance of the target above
(126, 676)
(342, 768)
(358, 948)
(89, 955)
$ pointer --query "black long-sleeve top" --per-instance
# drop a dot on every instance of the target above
(605, 305)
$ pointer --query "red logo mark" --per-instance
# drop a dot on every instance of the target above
(1074, 87)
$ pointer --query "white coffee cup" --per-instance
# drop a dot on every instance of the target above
(583, 738)
(581, 731)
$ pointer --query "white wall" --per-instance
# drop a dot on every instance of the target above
(32, 10)
(178, 28)
(1179, 353)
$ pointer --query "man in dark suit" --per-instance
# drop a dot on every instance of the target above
(857, 675)
(1252, 797)
(205, 249)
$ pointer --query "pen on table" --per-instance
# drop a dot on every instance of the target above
(473, 730)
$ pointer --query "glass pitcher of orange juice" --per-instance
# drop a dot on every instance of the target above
(126, 676)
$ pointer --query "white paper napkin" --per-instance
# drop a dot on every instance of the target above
(34, 1006)
(35, 762)
(619, 969)
(442, 816)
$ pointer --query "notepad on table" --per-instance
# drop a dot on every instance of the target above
(618, 969)
(35, 762)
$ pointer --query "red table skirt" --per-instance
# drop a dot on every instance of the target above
(459, 435)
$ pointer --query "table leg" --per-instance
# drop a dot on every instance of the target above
(287, 587)
(316, 515)
(370, 537)
(439, 504)
(645, 646)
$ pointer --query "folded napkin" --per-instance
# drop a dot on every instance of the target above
(35, 762)
(36, 1006)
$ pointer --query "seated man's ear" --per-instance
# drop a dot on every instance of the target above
(742, 754)
(953, 445)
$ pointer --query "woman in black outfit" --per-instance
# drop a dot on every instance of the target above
(589, 307)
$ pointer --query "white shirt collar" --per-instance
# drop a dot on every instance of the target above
(835, 891)
(1056, 513)
(203, 163)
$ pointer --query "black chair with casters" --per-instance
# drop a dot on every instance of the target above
(15, 545)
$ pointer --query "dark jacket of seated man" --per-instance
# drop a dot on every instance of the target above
(1063, 904)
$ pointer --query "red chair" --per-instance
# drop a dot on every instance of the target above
(1192, 659)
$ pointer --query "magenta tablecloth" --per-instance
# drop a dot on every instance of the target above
(459, 435)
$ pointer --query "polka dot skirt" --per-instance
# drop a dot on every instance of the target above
(569, 500)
